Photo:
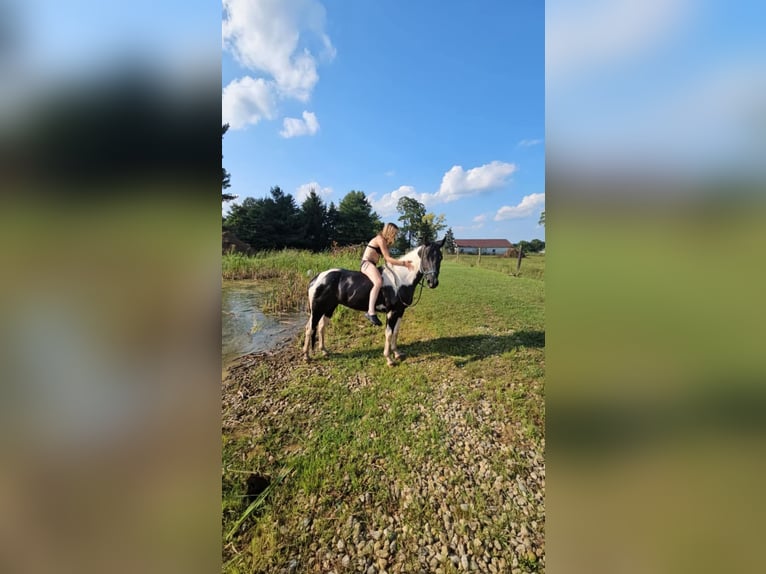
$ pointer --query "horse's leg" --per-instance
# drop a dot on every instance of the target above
(311, 332)
(390, 317)
(320, 333)
(307, 340)
(397, 324)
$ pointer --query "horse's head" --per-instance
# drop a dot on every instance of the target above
(431, 261)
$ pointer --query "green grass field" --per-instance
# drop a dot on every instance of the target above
(435, 464)
(532, 266)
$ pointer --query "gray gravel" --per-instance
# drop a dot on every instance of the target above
(478, 507)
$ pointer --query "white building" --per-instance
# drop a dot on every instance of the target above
(487, 246)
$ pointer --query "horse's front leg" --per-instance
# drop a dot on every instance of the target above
(389, 336)
(395, 335)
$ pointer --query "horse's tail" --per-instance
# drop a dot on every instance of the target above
(310, 291)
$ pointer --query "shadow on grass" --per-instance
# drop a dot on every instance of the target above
(465, 348)
(475, 347)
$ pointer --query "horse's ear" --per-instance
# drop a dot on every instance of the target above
(441, 243)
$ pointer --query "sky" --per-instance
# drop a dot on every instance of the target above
(64, 39)
(436, 100)
(657, 86)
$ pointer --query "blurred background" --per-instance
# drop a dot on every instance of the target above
(110, 290)
(656, 133)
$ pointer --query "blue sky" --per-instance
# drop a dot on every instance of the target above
(656, 87)
(441, 101)
(65, 39)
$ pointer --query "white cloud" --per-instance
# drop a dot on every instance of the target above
(386, 205)
(529, 205)
(303, 191)
(247, 101)
(528, 143)
(458, 183)
(480, 218)
(280, 40)
(293, 127)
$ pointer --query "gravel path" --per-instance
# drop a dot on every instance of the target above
(476, 506)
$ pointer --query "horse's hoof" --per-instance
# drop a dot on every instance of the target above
(325, 353)
(399, 356)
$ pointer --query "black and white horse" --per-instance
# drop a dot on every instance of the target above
(352, 288)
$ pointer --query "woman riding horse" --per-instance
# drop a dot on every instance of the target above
(377, 247)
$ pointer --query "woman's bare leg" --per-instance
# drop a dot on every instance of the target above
(372, 272)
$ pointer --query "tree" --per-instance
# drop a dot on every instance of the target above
(430, 227)
(534, 246)
(243, 219)
(267, 223)
(449, 241)
(542, 219)
(357, 222)
(313, 222)
(226, 178)
(417, 226)
(411, 218)
(331, 223)
(281, 221)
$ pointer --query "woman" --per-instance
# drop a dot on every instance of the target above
(378, 246)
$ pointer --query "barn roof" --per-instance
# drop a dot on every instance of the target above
(483, 243)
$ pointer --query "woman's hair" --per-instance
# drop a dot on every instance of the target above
(389, 232)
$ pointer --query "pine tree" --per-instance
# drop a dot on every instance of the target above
(357, 222)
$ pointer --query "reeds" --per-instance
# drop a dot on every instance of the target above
(288, 271)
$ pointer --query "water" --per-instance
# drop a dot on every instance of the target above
(244, 328)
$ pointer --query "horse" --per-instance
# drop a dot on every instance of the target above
(336, 287)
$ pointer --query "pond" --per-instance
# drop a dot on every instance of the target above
(245, 328)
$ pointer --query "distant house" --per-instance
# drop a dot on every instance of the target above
(487, 246)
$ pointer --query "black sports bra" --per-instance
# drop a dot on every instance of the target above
(376, 248)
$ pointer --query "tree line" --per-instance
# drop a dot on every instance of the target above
(277, 221)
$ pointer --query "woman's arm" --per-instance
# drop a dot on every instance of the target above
(387, 254)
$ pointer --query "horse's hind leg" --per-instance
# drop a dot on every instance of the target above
(311, 333)
(320, 333)
(307, 340)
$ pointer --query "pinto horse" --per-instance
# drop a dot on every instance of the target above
(352, 288)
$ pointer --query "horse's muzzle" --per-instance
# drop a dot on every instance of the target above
(433, 282)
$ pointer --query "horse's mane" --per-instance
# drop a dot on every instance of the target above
(403, 275)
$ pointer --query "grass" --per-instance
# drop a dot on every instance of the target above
(357, 434)
(289, 270)
(286, 273)
(271, 264)
(532, 265)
